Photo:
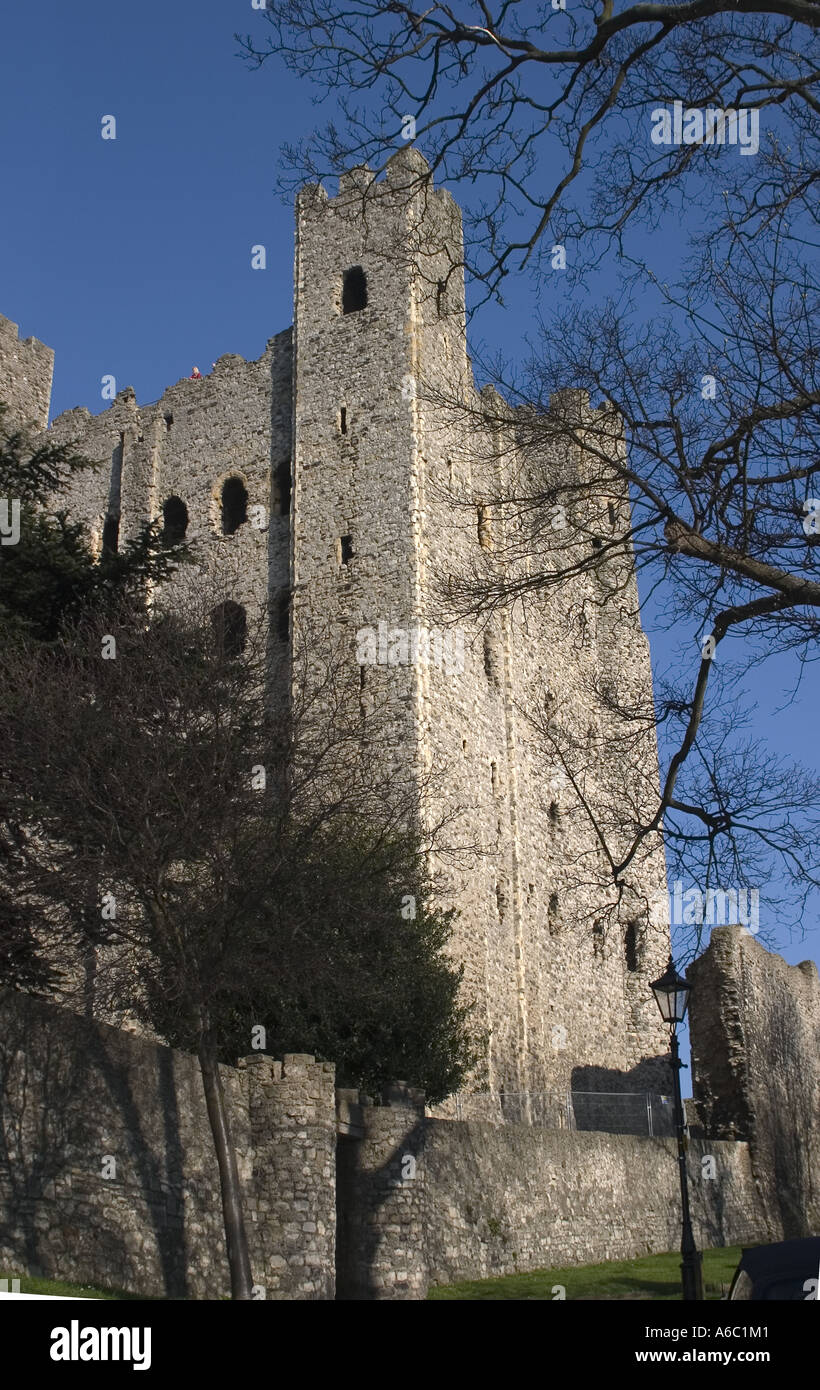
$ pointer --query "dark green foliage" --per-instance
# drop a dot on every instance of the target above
(353, 979)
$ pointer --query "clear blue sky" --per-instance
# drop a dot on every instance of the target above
(132, 256)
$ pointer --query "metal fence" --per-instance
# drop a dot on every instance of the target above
(612, 1112)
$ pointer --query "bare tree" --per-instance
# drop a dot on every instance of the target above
(541, 115)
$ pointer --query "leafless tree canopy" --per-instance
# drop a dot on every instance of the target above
(541, 116)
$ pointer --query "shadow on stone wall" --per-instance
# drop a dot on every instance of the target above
(36, 1139)
(784, 1129)
(60, 1090)
(615, 1102)
(370, 1196)
(160, 1177)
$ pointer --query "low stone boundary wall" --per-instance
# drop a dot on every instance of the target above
(431, 1201)
(107, 1168)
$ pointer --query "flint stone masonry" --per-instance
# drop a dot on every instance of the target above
(755, 1026)
(73, 1092)
(372, 422)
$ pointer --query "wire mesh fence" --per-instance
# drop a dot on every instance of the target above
(612, 1112)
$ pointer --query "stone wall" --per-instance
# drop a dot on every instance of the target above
(396, 1202)
(755, 1027)
(479, 1199)
(78, 1100)
(395, 448)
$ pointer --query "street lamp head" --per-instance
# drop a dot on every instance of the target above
(672, 994)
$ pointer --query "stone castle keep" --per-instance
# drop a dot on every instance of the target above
(340, 493)
(337, 490)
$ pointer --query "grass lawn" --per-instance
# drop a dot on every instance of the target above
(57, 1287)
(653, 1277)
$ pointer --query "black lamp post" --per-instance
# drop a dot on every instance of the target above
(672, 995)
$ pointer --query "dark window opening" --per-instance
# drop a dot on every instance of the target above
(111, 534)
(343, 419)
(169, 419)
(230, 623)
(283, 618)
(354, 290)
(554, 812)
(611, 510)
(346, 549)
(234, 505)
(494, 777)
(553, 904)
(597, 543)
(631, 946)
(441, 291)
(362, 677)
(174, 520)
(281, 490)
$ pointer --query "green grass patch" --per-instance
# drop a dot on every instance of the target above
(652, 1277)
(59, 1288)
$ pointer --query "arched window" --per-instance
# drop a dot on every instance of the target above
(354, 290)
(174, 520)
(234, 505)
(230, 628)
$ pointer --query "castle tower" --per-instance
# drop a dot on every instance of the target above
(394, 451)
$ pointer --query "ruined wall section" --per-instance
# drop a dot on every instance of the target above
(755, 1029)
(26, 369)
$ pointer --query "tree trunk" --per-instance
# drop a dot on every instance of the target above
(239, 1260)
